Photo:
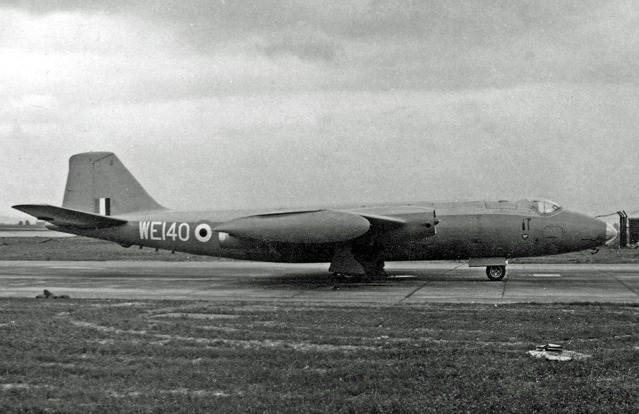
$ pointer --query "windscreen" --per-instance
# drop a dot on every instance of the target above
(545, 206)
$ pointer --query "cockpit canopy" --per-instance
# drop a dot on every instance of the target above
(545, 207)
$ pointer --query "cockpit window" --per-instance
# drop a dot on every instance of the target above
(546, 206)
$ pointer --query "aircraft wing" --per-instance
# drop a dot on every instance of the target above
(65, 217)
(317, 226)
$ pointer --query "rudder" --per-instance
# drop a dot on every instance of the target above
(99, 183)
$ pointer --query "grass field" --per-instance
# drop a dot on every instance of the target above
(113, 356)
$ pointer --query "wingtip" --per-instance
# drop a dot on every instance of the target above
(20, 206)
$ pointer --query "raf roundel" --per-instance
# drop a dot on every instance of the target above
(203, 232)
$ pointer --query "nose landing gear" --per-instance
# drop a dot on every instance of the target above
(496, 272)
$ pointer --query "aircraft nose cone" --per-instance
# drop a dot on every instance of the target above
(611, 233)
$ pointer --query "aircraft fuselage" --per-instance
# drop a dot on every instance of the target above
(465, 230)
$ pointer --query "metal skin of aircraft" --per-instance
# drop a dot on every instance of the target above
(104, 201)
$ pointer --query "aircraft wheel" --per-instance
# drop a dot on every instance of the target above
(496, 272)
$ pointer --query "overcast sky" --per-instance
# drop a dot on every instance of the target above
(225, 104)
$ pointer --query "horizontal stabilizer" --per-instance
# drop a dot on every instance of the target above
(65, 217)
(319, 226)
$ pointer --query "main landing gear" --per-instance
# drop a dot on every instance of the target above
(372, 270)
(363, 262)
(496, 272)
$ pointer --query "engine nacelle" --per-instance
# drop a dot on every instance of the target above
(416, 225)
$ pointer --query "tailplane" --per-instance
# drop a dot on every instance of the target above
(99, 183)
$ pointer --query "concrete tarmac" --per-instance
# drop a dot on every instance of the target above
(411, 282)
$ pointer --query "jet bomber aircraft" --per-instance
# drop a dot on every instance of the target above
(103, 200)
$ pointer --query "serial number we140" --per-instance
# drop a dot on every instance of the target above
(161, 230)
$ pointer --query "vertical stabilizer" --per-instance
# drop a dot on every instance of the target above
(99, 183)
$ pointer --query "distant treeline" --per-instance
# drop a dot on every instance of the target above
(22, 224)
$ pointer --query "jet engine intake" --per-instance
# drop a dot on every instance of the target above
(231, 242)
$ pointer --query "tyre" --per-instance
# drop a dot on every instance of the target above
(496, 272)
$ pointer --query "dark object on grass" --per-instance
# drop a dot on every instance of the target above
(550, 348)
(44, 295)
(48, 295)
(556, 352)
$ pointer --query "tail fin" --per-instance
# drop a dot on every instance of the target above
(99, 183)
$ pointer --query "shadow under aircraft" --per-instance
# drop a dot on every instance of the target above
(103, 200)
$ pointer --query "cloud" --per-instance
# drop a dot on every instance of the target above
(268, 102)
(236, 47)
(29, 108)
(301, 41)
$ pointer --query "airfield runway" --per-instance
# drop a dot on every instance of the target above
(411, 282)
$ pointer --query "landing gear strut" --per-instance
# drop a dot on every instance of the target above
(496, 272)
(371, 257)
(359, 262)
